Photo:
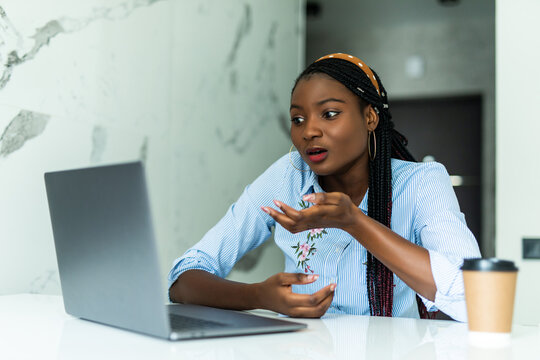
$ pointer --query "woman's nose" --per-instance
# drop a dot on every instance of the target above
(312, 129)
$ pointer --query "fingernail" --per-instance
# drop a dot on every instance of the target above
(266, 210)
(312, 277)
(332, 287)
(278, 204)
(309, 197)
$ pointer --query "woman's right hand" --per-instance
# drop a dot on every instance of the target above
(275, 293)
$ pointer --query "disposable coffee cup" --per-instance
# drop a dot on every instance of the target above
(490, 287)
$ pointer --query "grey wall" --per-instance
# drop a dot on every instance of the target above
(199, 90)
(457, 44)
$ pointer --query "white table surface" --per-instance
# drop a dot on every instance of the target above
(36, 327)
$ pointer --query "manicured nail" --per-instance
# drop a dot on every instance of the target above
(309, 197)
(312, 277)
(265, 209)
(278, 204)
(332, 287)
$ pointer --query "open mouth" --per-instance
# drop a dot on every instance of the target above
(316, 154)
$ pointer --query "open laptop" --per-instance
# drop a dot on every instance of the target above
(108, 263)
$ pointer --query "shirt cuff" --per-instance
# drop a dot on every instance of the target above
(189, 261)
(450, 295)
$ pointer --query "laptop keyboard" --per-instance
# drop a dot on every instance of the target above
(179, 322)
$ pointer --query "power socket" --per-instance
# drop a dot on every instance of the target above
(531, 248)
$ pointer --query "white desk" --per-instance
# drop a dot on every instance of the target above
(36, 327)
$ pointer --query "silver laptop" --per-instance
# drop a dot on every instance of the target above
(108, 263)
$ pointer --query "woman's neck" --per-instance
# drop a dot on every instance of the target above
(352, 183)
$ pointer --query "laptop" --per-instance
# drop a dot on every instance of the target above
(108, 262)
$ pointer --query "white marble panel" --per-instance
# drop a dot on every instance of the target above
(198, 90)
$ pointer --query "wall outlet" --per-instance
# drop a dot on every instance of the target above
(531, 248)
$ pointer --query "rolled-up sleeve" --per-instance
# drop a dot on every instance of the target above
(440, 228)
(244, 227)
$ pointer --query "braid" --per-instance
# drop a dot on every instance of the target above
(380, 209)
(390, 143)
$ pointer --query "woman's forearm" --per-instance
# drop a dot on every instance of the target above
(275, 293)
(203, 288)
(408, 261)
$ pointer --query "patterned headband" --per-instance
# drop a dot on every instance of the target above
(356, 61)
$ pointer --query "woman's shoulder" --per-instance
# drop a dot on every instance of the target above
(407, 172)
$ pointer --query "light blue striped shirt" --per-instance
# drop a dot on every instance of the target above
(425, 211)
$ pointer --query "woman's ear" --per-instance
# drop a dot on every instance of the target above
(372, 118)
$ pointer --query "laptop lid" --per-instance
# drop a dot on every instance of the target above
(105, 248)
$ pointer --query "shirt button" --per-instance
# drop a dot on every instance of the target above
(337, 250)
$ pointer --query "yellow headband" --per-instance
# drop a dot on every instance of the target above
(356, 61)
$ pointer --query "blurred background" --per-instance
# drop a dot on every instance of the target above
(200, 90)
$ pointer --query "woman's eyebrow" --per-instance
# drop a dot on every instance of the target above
(318, 103)
(329, 100)
(294, 106)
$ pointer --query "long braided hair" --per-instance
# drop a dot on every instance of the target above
(390, 143)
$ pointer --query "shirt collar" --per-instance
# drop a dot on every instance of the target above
(311, 185)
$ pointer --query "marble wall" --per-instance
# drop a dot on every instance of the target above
(198, 90)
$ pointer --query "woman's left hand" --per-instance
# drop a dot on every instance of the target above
(330, 210)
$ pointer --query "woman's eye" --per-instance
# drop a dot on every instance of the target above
(330, 114)
(297, 120)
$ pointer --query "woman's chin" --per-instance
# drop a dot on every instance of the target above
(320, 170)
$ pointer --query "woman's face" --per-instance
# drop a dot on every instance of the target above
(328, 128)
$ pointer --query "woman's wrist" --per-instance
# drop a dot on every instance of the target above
(355, 222)
(253, 296)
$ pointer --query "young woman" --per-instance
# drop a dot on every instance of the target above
(364, 229)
